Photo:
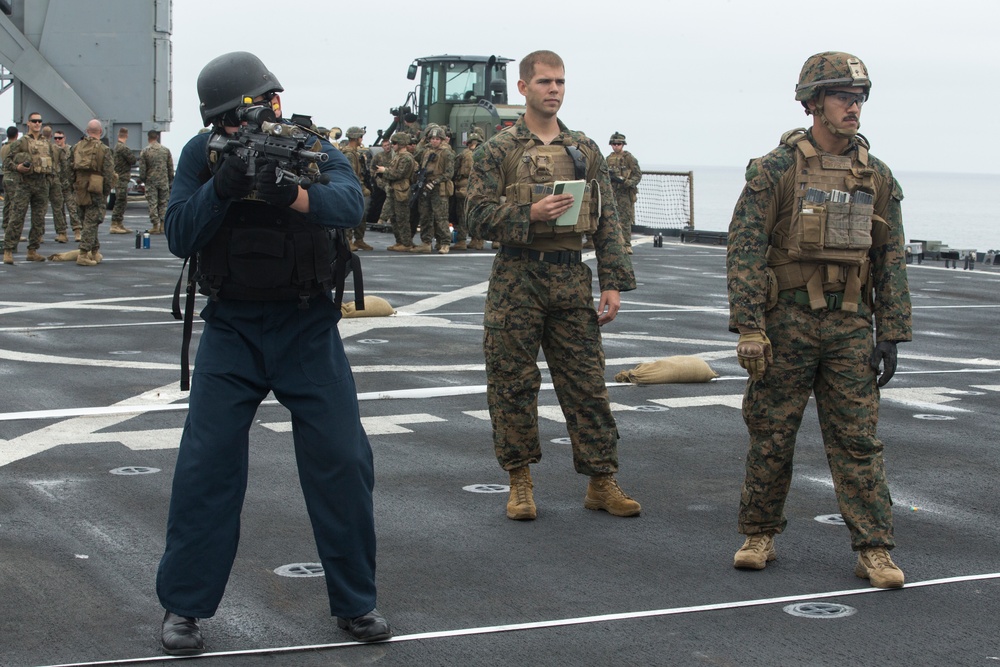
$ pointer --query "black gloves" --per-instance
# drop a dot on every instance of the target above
(274, 193)
(231, 181)
(885, 353)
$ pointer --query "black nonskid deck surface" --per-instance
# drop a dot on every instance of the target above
(92, 413)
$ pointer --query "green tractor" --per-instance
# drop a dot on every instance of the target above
(462, 92)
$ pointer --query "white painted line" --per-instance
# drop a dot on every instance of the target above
(557, 623)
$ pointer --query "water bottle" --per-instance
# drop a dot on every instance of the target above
(138, 240)
(145, 240)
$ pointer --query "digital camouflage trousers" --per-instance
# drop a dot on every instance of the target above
(825, 353)
(532, 304)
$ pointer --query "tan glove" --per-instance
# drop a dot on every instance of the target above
(753, 350)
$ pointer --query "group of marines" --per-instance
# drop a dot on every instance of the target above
(413, 157)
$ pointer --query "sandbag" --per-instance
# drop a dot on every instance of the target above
(669, 370)
(374, 307)
(68, 256)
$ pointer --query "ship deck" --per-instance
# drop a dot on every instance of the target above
(92, 414)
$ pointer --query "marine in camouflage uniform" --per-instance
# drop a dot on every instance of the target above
(91, 205)
(381, 159)
(805, 314)
(31, 189)
(439, 163)
(463, 169)
(156, 170)
(539, 292)
(397, 177)
(9, 183)
(359, 157)
(66, 176)
(59, 156)
(625, 177)
(124, 159)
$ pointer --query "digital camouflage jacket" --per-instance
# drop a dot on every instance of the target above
(491, 218)
(767, 200)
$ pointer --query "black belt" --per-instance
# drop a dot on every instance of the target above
(558, 257)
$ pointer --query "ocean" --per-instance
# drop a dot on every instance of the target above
(955, 209)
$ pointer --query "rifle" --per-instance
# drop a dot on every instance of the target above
(366, 169)
(263, 138)
(419, 187)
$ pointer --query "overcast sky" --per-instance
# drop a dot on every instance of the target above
(693, 83)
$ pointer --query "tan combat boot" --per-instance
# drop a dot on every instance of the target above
(8, 257)
(157, 229)
(76, 235)
(476, 244)
(84, 259)
(118, 227)
(363, 246)
(61, 238)
(33, 256)
(757, 551)
(96, 255)
(396, 247)
(603, 493)
(443, 250)
(521, 503)
(459, 246)
(422, 248)
(875, 565)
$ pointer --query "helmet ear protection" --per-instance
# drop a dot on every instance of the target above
(227, 79)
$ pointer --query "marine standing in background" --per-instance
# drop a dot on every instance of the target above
(270, 326)
(815, 251)
(94, 172)
(124, 159)
(378, 202)
(540, 291)
(397, 177)
(59, 156)
(66, 176)
(28, 164)
(463, 169)
(625, 177)
(439, 163)
(156, 170)
(358, 157)
(8, 183)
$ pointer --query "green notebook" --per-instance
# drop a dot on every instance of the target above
(575, 188)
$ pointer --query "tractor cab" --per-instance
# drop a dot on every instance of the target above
(463, 92)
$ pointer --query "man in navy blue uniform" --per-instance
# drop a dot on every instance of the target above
(264, 248)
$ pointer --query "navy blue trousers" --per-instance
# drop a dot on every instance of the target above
(247, 349)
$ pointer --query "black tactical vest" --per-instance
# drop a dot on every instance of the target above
(259, 256)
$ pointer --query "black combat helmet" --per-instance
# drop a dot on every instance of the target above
(224, 82)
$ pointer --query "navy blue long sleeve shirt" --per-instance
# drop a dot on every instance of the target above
(195, 212)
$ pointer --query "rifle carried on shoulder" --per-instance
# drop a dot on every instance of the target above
(265, 139)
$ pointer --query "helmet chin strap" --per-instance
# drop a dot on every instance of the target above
(840, 132)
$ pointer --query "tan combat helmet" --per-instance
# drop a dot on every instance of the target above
(401, 138)
(355, 132)
(436, 131)
(617, 137)
(474, 135)
(827, 70)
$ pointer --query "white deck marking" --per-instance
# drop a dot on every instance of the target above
(562, 622)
